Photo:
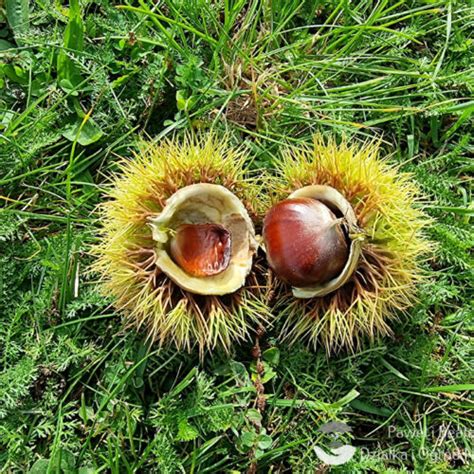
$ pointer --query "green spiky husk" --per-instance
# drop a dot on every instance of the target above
(384, 283)
(126, 255)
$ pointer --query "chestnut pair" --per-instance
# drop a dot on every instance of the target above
(206, 240)
(177, 247)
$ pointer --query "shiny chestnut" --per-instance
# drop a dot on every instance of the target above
(305, 242)
(201, 250)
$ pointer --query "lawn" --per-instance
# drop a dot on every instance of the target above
(82, 85)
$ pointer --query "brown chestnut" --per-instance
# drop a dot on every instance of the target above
(201, 249)
(304, 242)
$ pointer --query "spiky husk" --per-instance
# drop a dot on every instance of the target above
(126, 255)
(384, 284)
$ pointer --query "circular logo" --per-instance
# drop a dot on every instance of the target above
(339, 453)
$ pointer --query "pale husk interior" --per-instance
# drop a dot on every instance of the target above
(201, 204)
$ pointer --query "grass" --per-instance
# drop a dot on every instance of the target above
(81, 83)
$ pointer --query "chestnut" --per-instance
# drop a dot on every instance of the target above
(305, 242)
(201, 250)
